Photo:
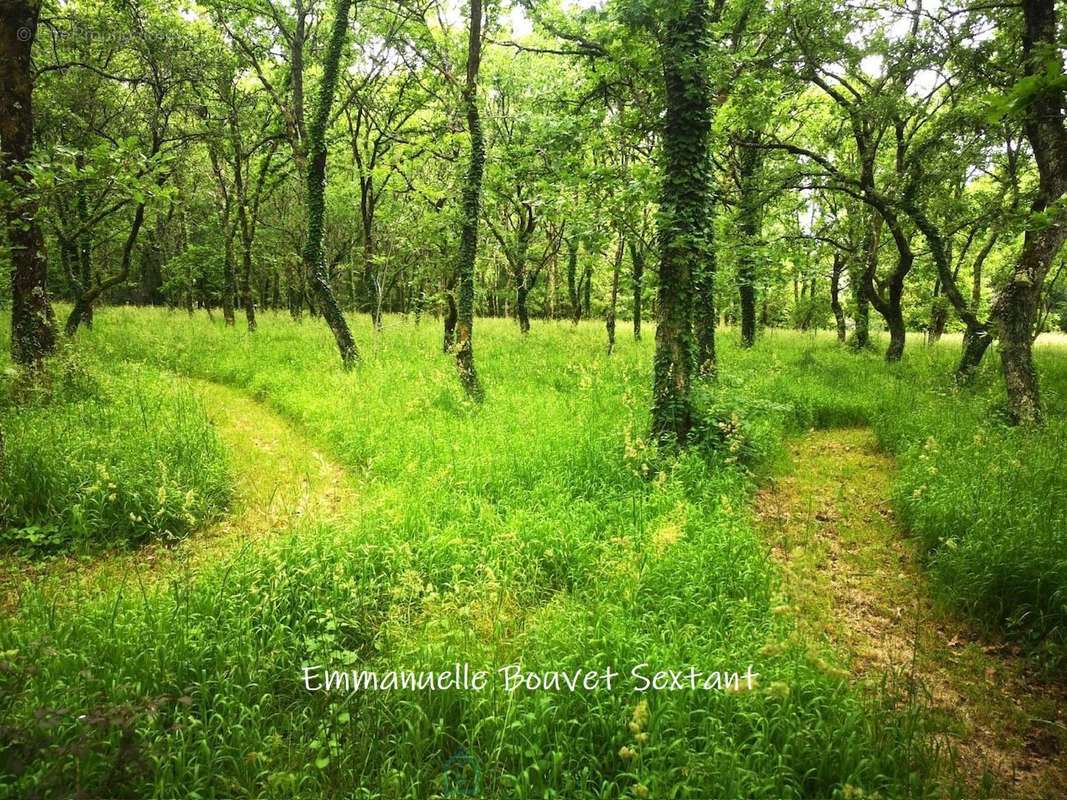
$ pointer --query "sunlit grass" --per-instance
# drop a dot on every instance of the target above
(537, 528)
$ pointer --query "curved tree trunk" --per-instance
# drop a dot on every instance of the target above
(314, 258)
(835, 296)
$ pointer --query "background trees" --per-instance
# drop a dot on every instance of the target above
(892, 157)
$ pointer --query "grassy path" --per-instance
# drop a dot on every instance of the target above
(857, 584)
(281, 478)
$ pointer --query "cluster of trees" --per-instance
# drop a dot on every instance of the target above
(719, 160)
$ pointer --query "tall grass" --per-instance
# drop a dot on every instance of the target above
(538, 528)
(105, 456)
(987, 501)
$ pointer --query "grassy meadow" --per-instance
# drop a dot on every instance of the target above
(537, 529)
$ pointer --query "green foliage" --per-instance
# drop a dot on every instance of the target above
(97, 457)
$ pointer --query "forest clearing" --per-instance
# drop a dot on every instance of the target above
(610, 399)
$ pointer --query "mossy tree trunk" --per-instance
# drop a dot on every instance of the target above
(1015, 309)
(472, 205)
(33, 324)
(314, 257)
(683, 218)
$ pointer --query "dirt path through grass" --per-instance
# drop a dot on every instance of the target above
(857, 583)
(281, 478)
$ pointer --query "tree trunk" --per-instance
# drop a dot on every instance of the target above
(85, 240)
(705, 313)
(33, 324)
(835, 295)
(472, 200)
(620, 250)
(749, 224)
(572, 279)
(84, 304)
(587, 286)
(314, 258)
(1016, 307)
(894, 320)
(683, 219)
(637, 259)
(451, 314)
(228, 276)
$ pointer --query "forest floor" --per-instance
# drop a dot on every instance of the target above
(857, 584)
(280, 479)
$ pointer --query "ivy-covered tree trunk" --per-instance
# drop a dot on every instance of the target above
(637, 261)
(836, 272)
(472, 209)
(314, 257)
(749, 227)
(1016, 307)
(683, 218)
(620, 251)
(33, 323)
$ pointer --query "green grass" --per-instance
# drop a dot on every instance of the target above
(105, 456)
(537, 528)
(987, 501)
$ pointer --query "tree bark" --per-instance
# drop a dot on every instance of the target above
(1016, 306)
(472, 201)
(683, 219)
(609, 321)
(835, 295)
(314, 258)
(572, 279)
(637, 260)
(705, 312)
(33, 323)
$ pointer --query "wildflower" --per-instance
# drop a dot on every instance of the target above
(640, 790)
(626, 753)
(778, 690)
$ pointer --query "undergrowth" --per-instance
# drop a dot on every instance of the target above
(537, 529)
(100, 456)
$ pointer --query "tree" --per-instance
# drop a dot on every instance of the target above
(314, 258)
(1042, 95)
(33, 334)
(683, 222)
(471, 211)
